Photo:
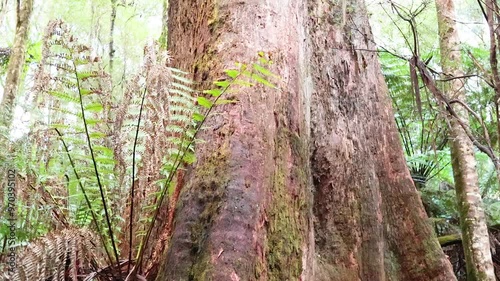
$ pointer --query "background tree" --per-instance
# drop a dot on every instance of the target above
(16, 61)
(481, 131)
(474, 231)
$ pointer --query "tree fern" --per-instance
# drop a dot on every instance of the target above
(75, 87)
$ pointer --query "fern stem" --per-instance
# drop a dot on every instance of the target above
(145, 240)
(177, 163)
(94, 217)
(101, 189)
(132, 190)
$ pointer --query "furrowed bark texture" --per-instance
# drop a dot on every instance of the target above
(247, 210)
(370, 223)
(476, 242)
(245, 213)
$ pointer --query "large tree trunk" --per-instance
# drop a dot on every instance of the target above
(307, 183)
(16, 62)
(370, 223)
(475, 236)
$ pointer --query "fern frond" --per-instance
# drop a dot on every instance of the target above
(52, 257)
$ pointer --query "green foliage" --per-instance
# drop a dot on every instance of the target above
(424, 138)
(34, 52)
(77, 87)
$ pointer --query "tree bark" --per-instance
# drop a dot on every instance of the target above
(305, 183)
(16, 62)
(475, 236)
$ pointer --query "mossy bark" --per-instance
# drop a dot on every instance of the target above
(475, 237)
(305, 183)
(370, 222)
(449, 239)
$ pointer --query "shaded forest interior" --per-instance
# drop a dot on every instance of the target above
(249, 140)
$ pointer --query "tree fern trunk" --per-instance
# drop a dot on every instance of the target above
(306, 183)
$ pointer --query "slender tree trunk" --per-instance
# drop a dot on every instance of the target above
(16, 62)
(492, 18)
(306, 183)
(3, 10)
(164, 25)
(474, 230)
(14, 71)
(111, 35)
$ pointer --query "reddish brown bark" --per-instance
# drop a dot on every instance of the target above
(370, 220)
(250, 209)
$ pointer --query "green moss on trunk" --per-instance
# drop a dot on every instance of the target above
(286, 222)
(210, 181)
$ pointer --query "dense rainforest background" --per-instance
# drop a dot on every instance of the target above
(249, 140)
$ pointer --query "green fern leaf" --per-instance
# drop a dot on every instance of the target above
(263, 70)
(198, 117)
(94, 107)
(223, 84)
(263, 81)
(219, 102)
(204, 102)
(213, 92)
(233, 73)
